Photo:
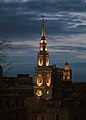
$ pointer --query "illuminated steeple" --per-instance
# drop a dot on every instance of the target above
(43, 42)
(43, 30)
(42, 86)
(67, 71)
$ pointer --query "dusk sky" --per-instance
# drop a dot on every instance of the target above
(65, 24)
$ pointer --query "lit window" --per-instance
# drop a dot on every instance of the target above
(68, 77)
(48, 92)
(45, 48)
(39, 80)
(45, 41)
(66, 67)
(41, 41)
(48, 80)
(47, 61)
(41, 48)
(40, 61)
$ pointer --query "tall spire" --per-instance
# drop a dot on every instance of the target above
(66, 60)
(43, 29)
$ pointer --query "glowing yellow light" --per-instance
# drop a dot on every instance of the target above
(40, 61)
(48, 92)
(68, 77)
(45, 41)
(39, 80)
(47, 61)
(41, 41)
(48, 80)
(46, 49)
(63, 77)
(39, 93)
(66, 67)
(41, 48)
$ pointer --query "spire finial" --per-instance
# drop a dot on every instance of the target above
(66, 59)
(43, 28)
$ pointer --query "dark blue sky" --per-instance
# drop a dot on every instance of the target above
(65, 22)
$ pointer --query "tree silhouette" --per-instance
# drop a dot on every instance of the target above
(4, 44)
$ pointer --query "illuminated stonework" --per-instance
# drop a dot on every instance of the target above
(66, 67)
(68, 77)
(42, 82)
(48, 80)
(39, 92)
(41, 41)
(39, 80)
(41, 48)
(47, 61)
(66, 72)
(48, 92)
(40, 61)
(46, 49)
(43, 45)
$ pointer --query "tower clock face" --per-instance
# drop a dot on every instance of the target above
(48, 80)
(39, 92)
(39, 80)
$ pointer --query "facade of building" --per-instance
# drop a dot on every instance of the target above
(12, 107)
(13, 93)
(63, 109)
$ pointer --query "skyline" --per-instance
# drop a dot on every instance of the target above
(65, 24)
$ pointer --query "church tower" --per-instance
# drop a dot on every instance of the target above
(66, 72)
(42, 82)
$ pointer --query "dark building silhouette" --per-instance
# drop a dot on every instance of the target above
(13, 93)
(1, 71)
(61, 80)
(56, 76)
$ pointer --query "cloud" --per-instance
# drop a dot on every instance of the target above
(15, 0)
(61, 51)
(81, 56)
(65, 23)
(24, 43)
(17, 18)
(22, 48)
(67, 49)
